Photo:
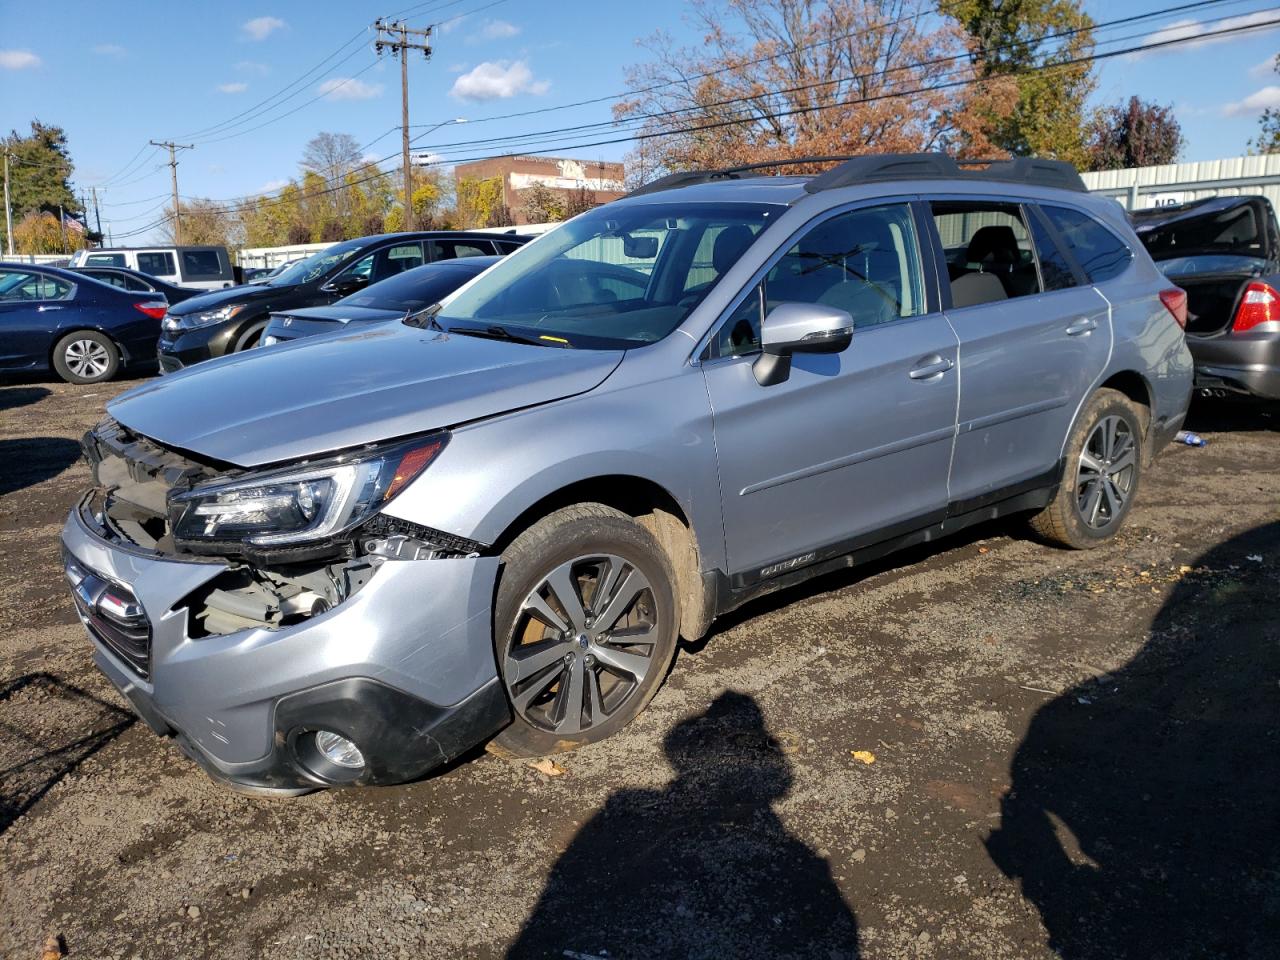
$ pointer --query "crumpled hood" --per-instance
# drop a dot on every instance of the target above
(376, 382)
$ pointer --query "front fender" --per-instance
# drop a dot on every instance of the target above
(493, 471)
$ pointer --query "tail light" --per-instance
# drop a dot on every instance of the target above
(155, 309)
(1175, 301)
(1260, 304)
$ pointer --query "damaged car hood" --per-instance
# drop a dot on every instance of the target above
(319, 395)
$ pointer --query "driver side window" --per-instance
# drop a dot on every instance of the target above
(865, 262)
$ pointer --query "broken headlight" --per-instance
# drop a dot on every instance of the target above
(302, 504)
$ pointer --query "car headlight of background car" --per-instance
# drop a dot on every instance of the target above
(300, 505)
(206, 317)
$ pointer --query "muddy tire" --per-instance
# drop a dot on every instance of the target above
(86, 356)
(585, 627)
(1100, 474)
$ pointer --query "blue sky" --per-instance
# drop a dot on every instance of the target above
(117, 75)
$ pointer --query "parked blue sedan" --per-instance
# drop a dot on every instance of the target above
(84, 329)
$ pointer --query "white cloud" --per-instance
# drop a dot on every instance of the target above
(498, 30)
(1264, 69)
(349, 88)
(249, 66)
(273, 185)
(236, 87)
(1189, 29)
(450, 25)
(370, 158)
(1256, 102)
(109, 50)
(498, 80)
(18, 59)
(259, 28)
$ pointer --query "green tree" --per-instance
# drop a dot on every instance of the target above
(40, 171)
(1268, 138)
(1031, 41)
(1133, 134)
(480, 203)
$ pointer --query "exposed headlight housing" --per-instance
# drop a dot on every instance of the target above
(295, 507)
(206, 317)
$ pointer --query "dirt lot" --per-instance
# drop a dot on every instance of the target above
(1066, 754)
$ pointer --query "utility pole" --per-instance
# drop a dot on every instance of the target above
(396, 36)
(96, 214)
(173, 171)
(8, 207)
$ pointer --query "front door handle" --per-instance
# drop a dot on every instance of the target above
(47, 307)
(927, 368)
(1082, 326)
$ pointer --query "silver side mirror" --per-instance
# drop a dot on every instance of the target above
(799, 328)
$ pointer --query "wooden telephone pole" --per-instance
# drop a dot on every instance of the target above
(395, 35)
(173, 171)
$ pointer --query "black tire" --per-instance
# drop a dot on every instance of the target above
(251, 338)
(1084, 513)
(86, 356)
(581, 694)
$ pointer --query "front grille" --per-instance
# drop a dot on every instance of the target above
(112, 615)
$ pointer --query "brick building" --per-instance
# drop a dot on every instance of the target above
(560, 174)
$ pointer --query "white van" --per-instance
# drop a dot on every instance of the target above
(205, 268)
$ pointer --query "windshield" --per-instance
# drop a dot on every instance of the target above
(1211, 227)
(318, 264)
(619, 276)
(416, 288)
(1212, 263)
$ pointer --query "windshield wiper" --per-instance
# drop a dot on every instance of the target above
(495, 332)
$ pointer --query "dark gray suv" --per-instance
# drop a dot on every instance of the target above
(349, 559)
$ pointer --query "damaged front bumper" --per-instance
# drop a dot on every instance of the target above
(403, 666)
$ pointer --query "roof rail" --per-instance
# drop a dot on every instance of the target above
(686, 178)
(893, 166)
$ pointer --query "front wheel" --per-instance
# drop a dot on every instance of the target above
(1099, 477)
(586, 623)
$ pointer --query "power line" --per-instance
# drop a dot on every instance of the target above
(1090, 58)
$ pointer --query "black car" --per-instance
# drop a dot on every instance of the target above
(84, 329)
(392, 299)
(137, 282)
(1225, 253)
(227, 321)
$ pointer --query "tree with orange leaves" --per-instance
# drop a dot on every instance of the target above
(776, 79)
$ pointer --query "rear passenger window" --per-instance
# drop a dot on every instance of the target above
(1099, 251)
(988, 251)
(156, 264)
(1055, 271)
(452, 249)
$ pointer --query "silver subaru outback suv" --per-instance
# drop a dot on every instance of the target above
(349, 560)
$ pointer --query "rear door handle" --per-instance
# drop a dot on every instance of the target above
(927, 368)
(1082, 326)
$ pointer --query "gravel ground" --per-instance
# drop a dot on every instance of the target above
(987, 748)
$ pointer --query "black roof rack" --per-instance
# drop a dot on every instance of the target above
(895, 166)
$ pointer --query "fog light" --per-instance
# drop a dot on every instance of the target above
(339, 750)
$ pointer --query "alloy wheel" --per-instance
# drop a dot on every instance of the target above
(1104, 477)
(87, 358)
(582, 644)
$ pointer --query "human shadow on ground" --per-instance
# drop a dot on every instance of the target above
(28, 461)
(80, 725)
(703, 868)
(1143, 819)
(13, 397)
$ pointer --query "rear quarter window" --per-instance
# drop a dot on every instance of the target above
(201, 264)
(156, 264)
(1102, 255)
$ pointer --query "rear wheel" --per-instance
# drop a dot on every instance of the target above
(86, 356)
(1100, 475)
(585, 628)
(250, 338)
